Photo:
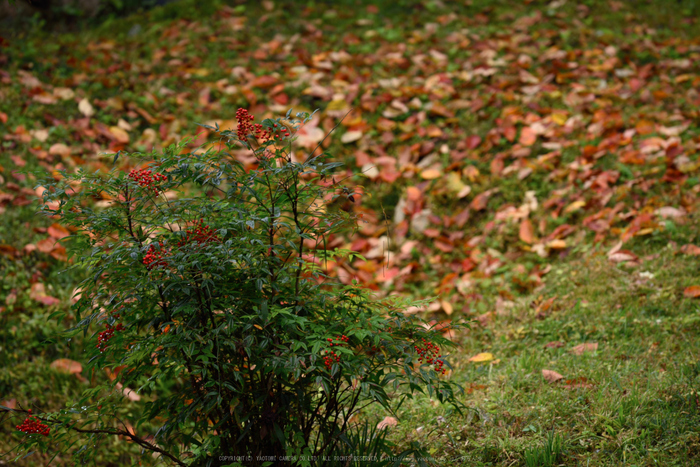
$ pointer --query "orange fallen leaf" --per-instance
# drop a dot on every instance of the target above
(527, 136)
(58, 231)
(692, 292)
(527, 232)
(551, 376)
(583, 348)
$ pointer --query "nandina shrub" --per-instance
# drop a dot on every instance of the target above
(208, 296)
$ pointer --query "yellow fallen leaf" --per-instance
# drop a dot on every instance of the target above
(482, 357)
(575, 206)
(559, 118)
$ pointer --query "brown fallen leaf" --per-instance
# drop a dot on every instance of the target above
(583, 348)
(692, 292)
(551, 376)
(387, 422)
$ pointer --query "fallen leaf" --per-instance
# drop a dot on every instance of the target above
(527, 232)
(554, 345)
(387, 422)
(692, 292)
(128, 393)
(583, 348)
(668, 211)
(690, 250)
(527, 136)
(482, 357)
(446, 307)
(578, 383)
(430, 174)
(38, 293)
(86, 108)
(351, 136)
(557, 244)
(120, 135)
(67, 365)
(57, 231)
(59, 149)
(551, 376)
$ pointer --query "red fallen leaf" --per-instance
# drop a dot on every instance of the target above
(58, 231)
(473, 141)
(510, 133)
(527, 232)
(38, 293)
(3, 117)
(527, 136)
(583, 348)
(690, 250)
(551, 376)
(692, 292)
(554, 345)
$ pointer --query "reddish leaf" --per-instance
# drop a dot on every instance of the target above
(527, 136)
(527, 232)
(57, 231)
(692, 292)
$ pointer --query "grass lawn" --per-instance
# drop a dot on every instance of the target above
(532, 165)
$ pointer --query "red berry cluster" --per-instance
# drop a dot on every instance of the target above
(330, 356)
(245, 128)
(32, 425)
(155, 256)
(146, 178)
(106, 335)
(431, 353)
(199, 233)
